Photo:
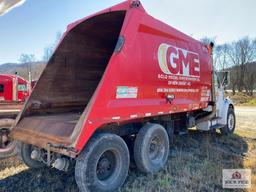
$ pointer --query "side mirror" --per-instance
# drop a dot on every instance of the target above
(225, 78)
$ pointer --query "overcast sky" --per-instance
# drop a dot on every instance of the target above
(33, 26)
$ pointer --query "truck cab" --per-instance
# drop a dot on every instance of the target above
(13, 88)
(225, 106)
(222, 110)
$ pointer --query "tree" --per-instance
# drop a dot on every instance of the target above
(241, 53)
(208, 40)
(221, 57)
(250, 78)
(48, 51)
(236, 57)
(28, 59)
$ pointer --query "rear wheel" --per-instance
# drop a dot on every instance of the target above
(24, 152)
(231, 123)
(7, 145)
(151, 148)
(103, 165)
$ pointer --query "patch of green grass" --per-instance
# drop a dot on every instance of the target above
(242, 99)
(246, 133)
(252, 102)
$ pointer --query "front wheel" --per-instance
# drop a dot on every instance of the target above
(231, 123)
(103, 165)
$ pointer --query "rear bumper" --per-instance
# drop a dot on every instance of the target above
(53, 144)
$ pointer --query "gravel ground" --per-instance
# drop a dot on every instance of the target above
(195, 164)
(246, 118)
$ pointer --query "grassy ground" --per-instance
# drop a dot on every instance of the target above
(195, 164)
(242, 99)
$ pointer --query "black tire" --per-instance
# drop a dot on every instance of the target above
(151, 148)
(103, 165)
(7, 145)
(24, 153)
(231, 123)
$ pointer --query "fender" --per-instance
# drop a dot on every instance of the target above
(224, 110)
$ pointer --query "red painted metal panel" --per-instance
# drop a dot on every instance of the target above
(158, 71)
(157, 61)
(6, 82)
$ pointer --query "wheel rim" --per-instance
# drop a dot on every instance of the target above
(231, 121)
(107, 167)
(6, 143)
(156, 149)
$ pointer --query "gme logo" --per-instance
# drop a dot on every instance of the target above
(177, 61)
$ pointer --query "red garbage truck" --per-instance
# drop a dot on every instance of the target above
(13, 92)
(120, 84)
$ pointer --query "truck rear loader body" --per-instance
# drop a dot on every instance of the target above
(119, 75)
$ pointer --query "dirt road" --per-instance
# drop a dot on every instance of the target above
(246, 118)
(195, 164)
